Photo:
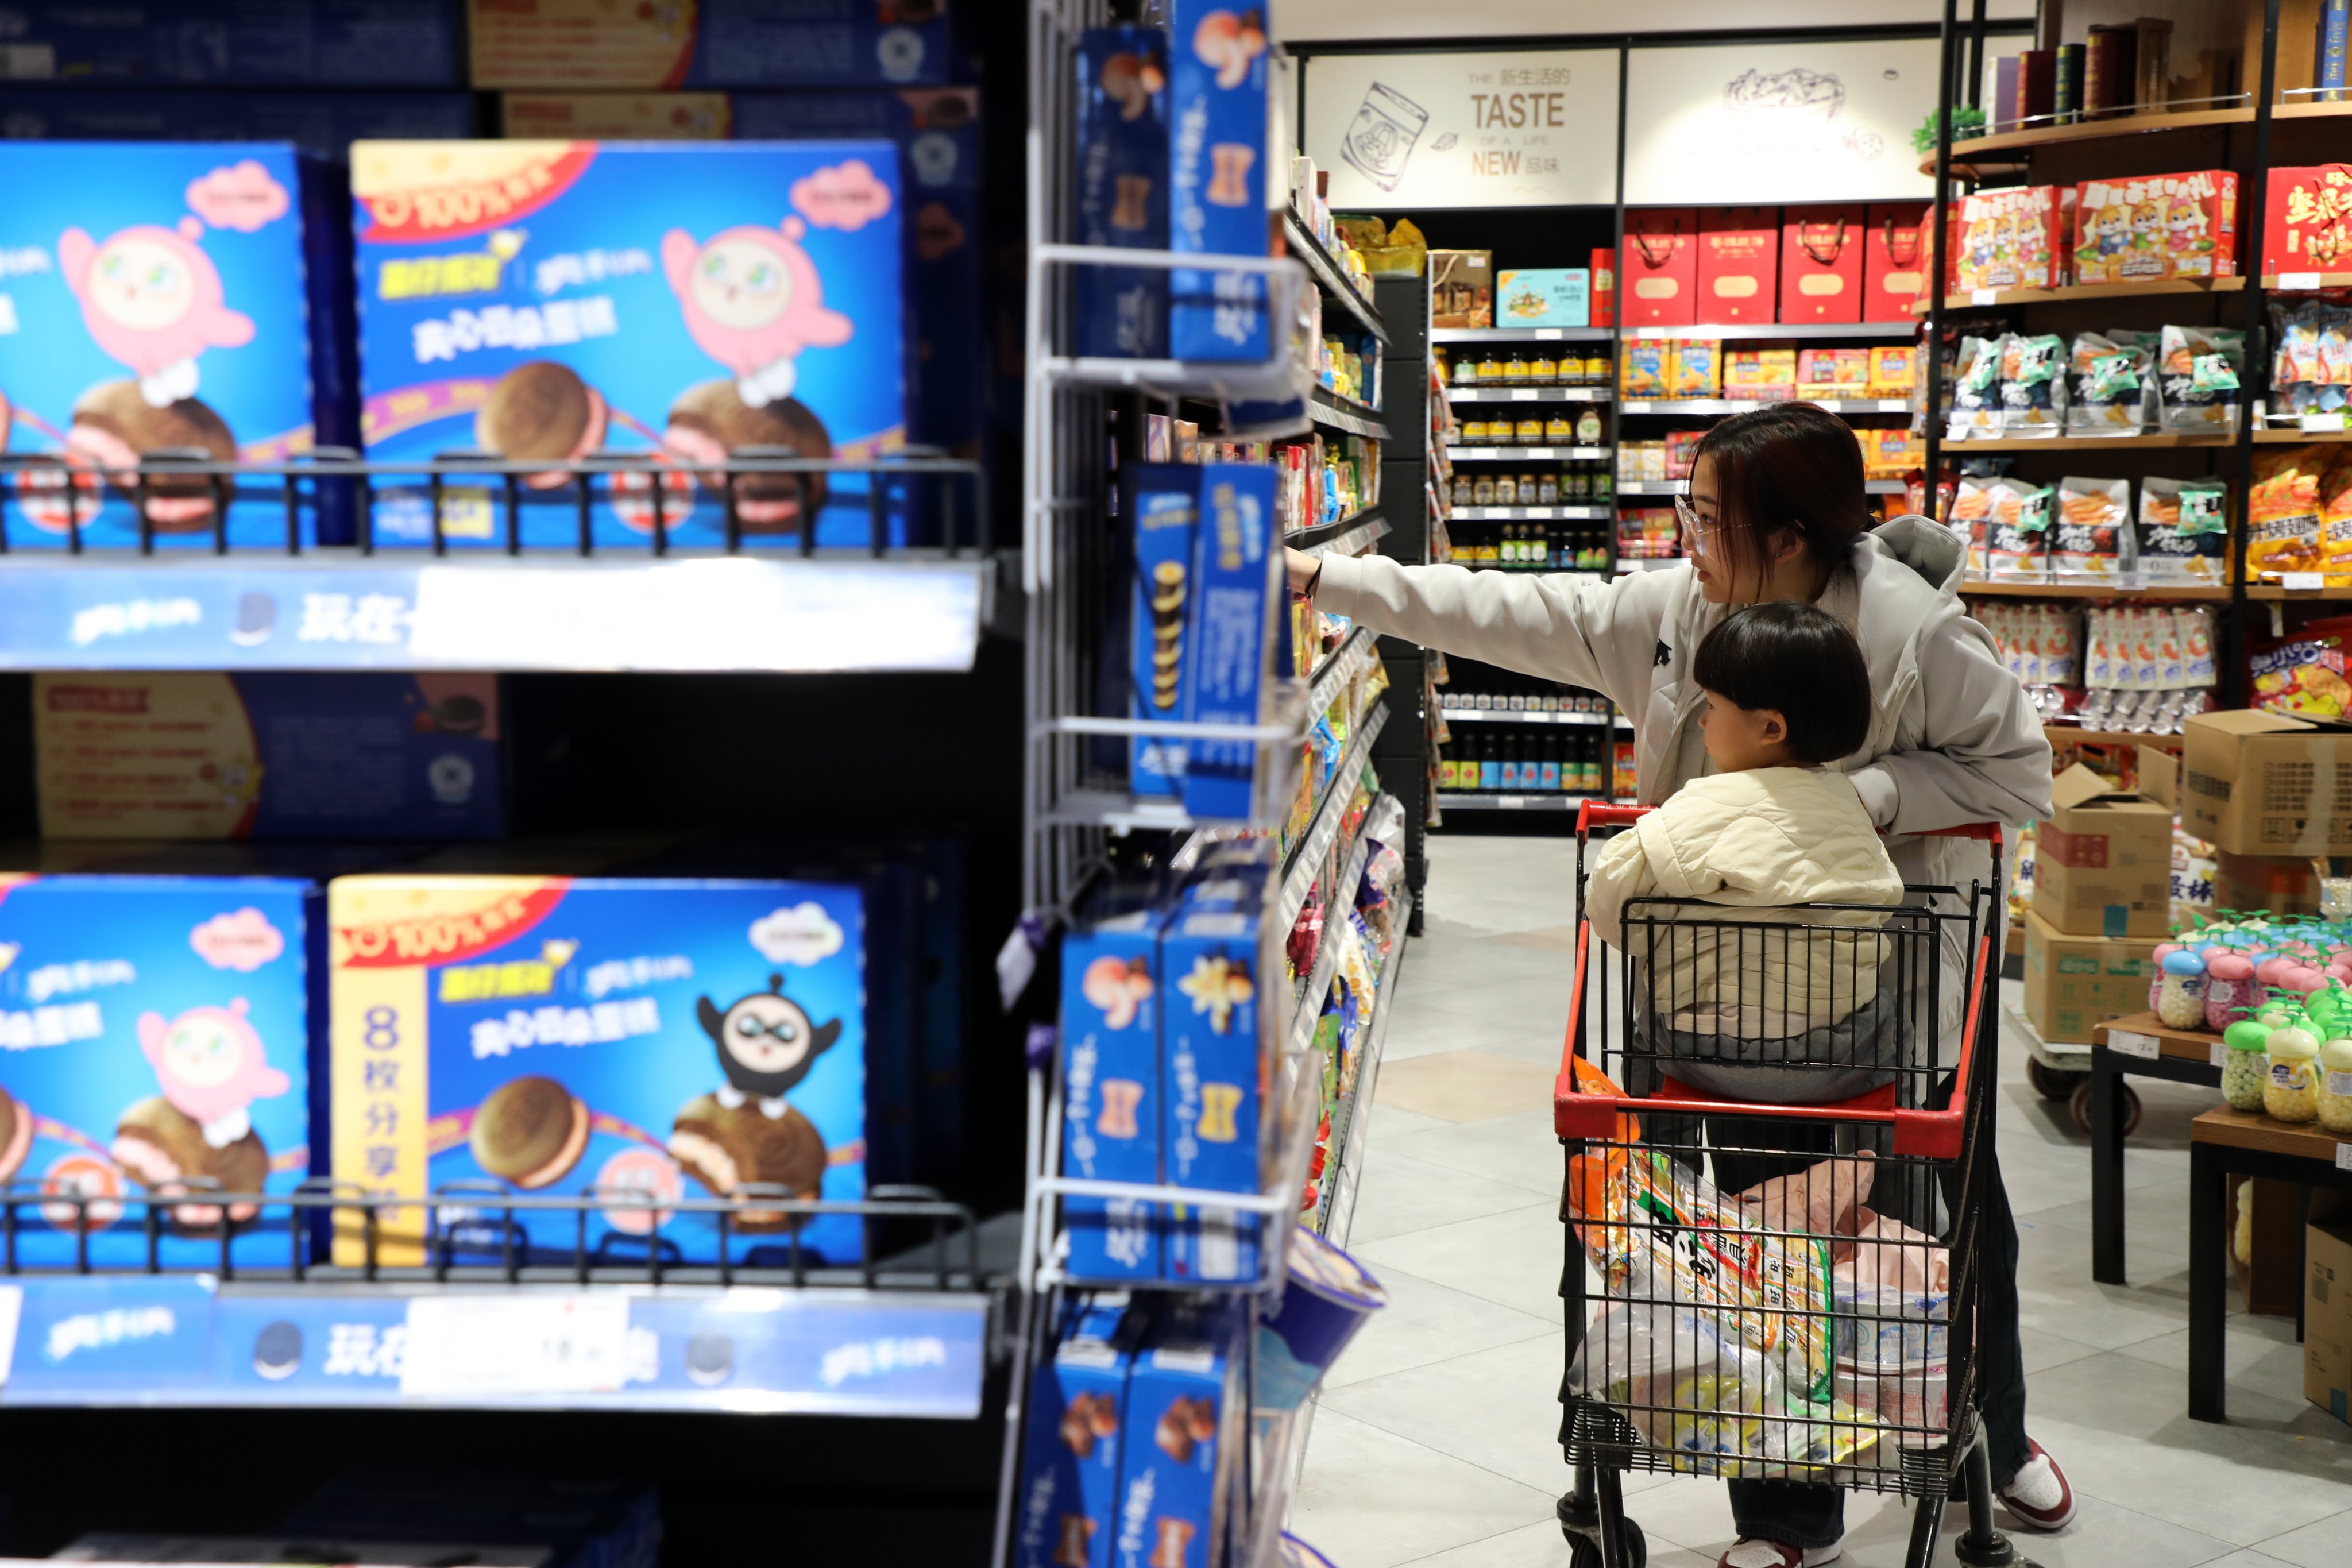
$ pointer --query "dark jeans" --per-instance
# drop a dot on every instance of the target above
(1803, 1514)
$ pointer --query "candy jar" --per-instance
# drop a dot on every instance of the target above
(2229, 988)
(2181, 990)
(2244, 1068)
(2335, 1081)
(2291, 1095)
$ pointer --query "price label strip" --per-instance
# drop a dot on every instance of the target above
(567, 1343)
(2146, 1046)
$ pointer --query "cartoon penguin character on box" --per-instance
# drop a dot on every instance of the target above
(767, 1044)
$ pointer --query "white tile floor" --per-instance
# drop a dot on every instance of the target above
(1435, 1442)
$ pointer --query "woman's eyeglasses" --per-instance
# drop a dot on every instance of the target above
(1693, 526)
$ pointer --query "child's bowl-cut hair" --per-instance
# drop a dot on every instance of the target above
(1796, 661)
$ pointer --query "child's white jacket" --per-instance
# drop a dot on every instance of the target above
(1768, 845)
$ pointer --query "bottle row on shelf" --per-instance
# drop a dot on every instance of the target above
(1483, 689)
(1569, 484)
(1539, 546)
(1577, 764)
(1486, 368)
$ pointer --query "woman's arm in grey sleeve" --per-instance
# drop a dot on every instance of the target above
(1982, 757)
(1599, 635)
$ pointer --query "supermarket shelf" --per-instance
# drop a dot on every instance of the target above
(2168, 593)
(1485, 802)
(1519, 454)
(1352, 540)
(1974, 149)
(1327, 272)
(2299, 438)
(1652, 486)
(1309, 854)
(1340, 666)
(2161, 439)
(1521, 335)
(1728, 332)
(1327, 407)
(1984, 297)
(342, 610)
(1507, 716)
(1885, 487)
(2281, 591)
(2311, 110)
(1318, 986)
(1742, 405)
(2306, 282)
(2073, 736)
(1650, 563)
(1323, 532)
(1528, 395)
(1533, 513)
(1344, 1166)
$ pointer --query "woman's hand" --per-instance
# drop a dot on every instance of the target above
(1303, 570)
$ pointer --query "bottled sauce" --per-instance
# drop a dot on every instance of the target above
(1507, 490)
(1474, 432)
(1559, 429)
(2292, 1094)
(1603, 486)
(1482, 490)
(1527, 489)
(1540, 556)
(1547, 490)
(2334, 1099)
(1596, 367)
(1465, 370)
(1574, 487)
(2244, 1068)
(1543, 370)
(1509, 547)
(1490, 369)
(1462, 490)
(1444, 769)
(1514, 372)
(1529, 430)
(1548, 771)
(1587, 767)
(1588, 427)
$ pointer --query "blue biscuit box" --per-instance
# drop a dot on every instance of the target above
(155, 1038)
(1236, 657)
(153, 301)
(1122, 169)
(1184, 1442)
(1077, 1410)
(546, 1035)
(1218, 1061)
(236, 43)
(322, 125)
(1111, 1012)
(1166, 501)
(1217, 109)
(567, 301)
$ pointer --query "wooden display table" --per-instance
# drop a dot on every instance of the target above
(2224, 1143)
(2136, 1044)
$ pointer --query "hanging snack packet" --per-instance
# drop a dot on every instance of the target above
(2032, 389)
(2184, 530)
(2282, 529)
(2199, 371)
(2106, 379)
(2017, 538)
(1975, 390)
(2093, 528)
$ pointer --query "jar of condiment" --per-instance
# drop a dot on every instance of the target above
(1507, 490)
(1530, 429)
(1490, 369)
(1514, 372)
(1596, 367)
(1474, 432)
(2336, 1086)
(2244, 1068)
(1557, 429)
(1547, 490)
(1588, 427)
(1574, 488)
(1527, 489)
(1466, 370)
(1461, 490)
(1543, 370)
(1483, 492)
(2293, 1093)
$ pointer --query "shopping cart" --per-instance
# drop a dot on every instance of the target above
(1788, 1289)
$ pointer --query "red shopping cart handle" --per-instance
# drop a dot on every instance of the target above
(1592, 815)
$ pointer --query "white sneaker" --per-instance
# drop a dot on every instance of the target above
(1755, 1552)
(2038, 1495)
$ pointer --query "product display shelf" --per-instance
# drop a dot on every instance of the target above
(1885, 488)
(1528, 395)
(1506, 716)
(1482, 800)
(2311, 110)
(1328, 274)
(1327, 407)
(1360, 535)
(1648, 564)
(1528, 454)
(1311, 856)
(2282, 591)
(1983, 297)
(1522, 334)
(1534, 513)
(1678, 487)
(1351, 1120)
(1714, 405)
(1740, 331)
(1325, 532)
(1977, 147)
(2175, 592)
(1281, 378)
(2154, 442)
(2275, 436)
(1315, 986)
(2306, 282)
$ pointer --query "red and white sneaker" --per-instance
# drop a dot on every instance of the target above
(2038, 1494)
(1755, 1552)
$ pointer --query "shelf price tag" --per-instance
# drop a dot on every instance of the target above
(2299, 281)
(2216, 1056)
(2344, 1156)
(1547, 334)
(1984, 296)
(1635, 407)
(2320, 422)
(1523, 394)
(1653, 331)
(1543, 452)
(2134, 1045)
(522, 1342)
(2303, 581)
(1510, 802)
(1895, 405)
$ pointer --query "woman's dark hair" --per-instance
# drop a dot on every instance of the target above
(1787, 465)
(1798, 662)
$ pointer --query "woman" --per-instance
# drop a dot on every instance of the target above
(1776, 512)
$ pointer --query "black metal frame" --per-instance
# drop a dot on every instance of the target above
(2211, 1166)
(2108, 1068)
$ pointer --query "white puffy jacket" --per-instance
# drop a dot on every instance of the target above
(1759, 848)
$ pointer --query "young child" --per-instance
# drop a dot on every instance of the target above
(1769, 1009)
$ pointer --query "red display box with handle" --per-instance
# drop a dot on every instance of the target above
(1896, 259)
(1822, 269)
(1738, 264)
(1658, 281)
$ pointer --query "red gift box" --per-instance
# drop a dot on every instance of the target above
(1604, 288)
(1897, 252)
(2144, 226)
(2307, 221)
(1738, 264)
(1659, 273)
(1822, 263)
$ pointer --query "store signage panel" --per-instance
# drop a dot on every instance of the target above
(1749, 123)
(1525, 128)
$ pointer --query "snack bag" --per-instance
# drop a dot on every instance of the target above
(1697, 368)
(2282, 531)
(2305, 674)
(2199, 370)
(2336, 520)
(2108, 377)
(1690, 1387)
(1972, 505)
(2183, 531)
(2017, 536)
(1975, 390)
(2093, 528)
(1644, 366)
(1893, 371)
(2032, 390)
(2312, 371)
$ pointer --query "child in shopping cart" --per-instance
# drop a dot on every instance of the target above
(1765, 985)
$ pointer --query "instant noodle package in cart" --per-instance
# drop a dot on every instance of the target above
(551, 1035)
(566, 300)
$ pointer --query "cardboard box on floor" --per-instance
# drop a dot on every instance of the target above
(2328, 1304)
(2257, 784)
(2103, 862)
(2073, 982)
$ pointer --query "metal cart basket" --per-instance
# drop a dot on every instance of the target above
(1777, 1130)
